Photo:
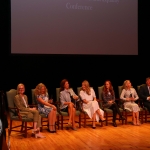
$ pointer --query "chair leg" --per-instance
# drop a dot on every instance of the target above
(41, 124)
(126, 117)
(106, 119)
(145, 116)
(22, 126)
(80, 121)
(25, 129)
(84, 121)
(122, 120)
(61, 122)
(10, 127)
(58, 121)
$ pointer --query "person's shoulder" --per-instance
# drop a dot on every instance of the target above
(91, 89)
(17, 96)
(123, 90)
(81, 91)
(61, 92)
(25, 96)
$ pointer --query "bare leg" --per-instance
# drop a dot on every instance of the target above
(93, 118)
(50, 117)
(73, 117)
(70, 111)
(100, 115)
(134, 119)
(35, 126)
(53, 119)
(137, 118)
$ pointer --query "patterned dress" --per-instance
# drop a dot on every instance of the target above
(43, 108)
(130, 105)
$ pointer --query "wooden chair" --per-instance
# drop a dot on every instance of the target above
(64, 115)
(84, 116)
(127, 112)
(146, 113)
(108, 112)
(15, 115)
(44, 119)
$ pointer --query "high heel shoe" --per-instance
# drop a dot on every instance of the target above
(69, 124)
(138, 123)
(53, 131)
(102, 120)
(122, 118)
(39, 136)
(114, 124)
(35, 131)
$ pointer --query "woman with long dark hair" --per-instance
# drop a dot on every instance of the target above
(108, 97)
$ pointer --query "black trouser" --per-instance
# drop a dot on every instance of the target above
(147, 105)
(115, 110)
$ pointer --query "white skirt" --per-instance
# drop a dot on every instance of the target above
(131, 106)
(91, 107)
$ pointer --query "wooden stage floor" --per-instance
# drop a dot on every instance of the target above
(123, 137)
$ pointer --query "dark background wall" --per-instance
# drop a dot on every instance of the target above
(51, 69)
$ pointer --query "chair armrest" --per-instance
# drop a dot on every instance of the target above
(33, 105)
(17, 110)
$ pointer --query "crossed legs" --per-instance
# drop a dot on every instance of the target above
(72, 112)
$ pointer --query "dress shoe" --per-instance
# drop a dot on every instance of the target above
(122, 118)
(39, 136)
(93, 127)
(102, 120)
(114, 124)
(75, 129)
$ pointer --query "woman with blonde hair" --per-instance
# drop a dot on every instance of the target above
(129, 96)
(21, 102)
(90, 104)
(45, 107)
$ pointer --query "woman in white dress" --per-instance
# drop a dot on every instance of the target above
(90, 104)
(129, 96)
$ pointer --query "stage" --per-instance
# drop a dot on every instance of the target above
(123, 137)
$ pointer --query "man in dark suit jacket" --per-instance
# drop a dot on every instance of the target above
(144, 93)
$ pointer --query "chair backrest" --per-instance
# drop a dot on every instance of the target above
(100, 90)
(120, 88)
(138, 87)
(57, 94)
(34, 102)
(10, 100)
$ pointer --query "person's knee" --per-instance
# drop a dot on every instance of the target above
(70, 105)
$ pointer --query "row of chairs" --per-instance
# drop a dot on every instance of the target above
(61, 116)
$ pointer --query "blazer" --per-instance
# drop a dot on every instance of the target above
(21, 105)
(65, 96)
(143, 92)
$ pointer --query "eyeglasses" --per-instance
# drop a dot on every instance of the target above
(21, 88)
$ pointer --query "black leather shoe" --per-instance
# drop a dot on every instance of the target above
(123, 118)
(114, 124)
(93, 127)
(51, 131)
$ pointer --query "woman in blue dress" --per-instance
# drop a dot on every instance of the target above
(45, 107)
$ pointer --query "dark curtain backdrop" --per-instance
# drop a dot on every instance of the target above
(51, 69)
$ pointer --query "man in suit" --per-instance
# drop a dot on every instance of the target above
(144, 93)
